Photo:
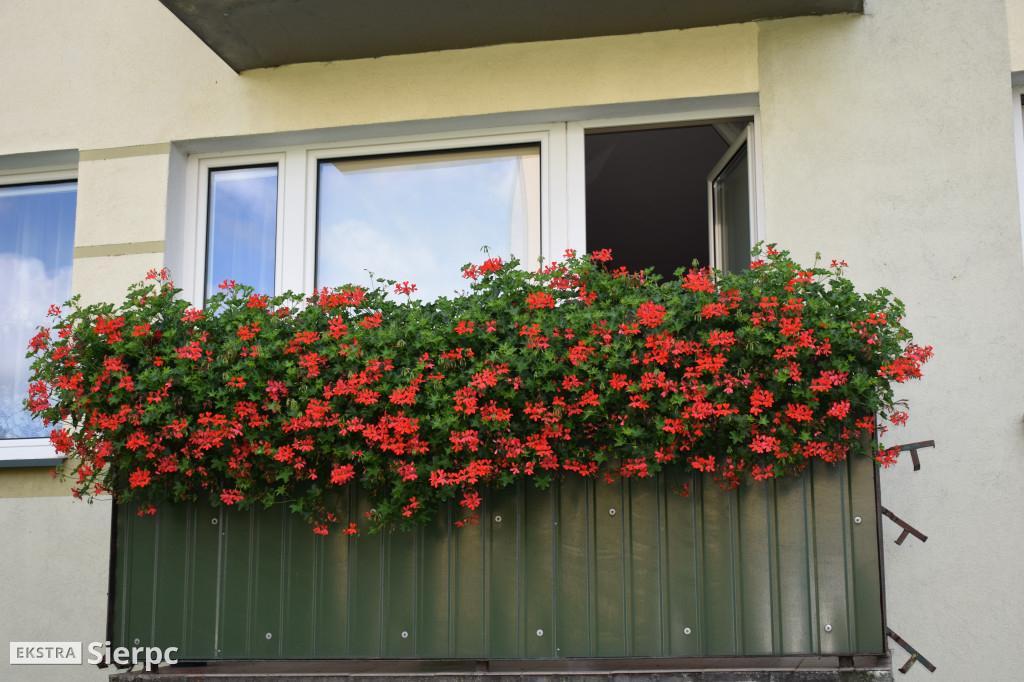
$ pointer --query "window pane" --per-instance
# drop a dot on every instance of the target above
(420, 218)
(732, 212)
(242, 228)
(37, 228)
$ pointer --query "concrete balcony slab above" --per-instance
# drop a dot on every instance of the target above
(253, 34)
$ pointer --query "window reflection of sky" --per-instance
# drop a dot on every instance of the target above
(37, 225)
(420, 221)
(242, 231)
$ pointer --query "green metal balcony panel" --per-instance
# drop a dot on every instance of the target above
(584, 569)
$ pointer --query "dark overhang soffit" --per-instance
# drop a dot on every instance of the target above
(253, 34)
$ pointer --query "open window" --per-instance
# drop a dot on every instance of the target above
(670, 196)
(730, 203)
(658, 194)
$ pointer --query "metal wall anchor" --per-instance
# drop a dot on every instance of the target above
(912, 448)
(907, 528)
(915, 655)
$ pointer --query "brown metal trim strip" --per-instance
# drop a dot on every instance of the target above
(907, 528)
(111, 578)
(912, 448)
(915, 655)
(881, 552)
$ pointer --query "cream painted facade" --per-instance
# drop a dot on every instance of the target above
(886, 139)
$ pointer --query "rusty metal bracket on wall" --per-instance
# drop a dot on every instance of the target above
(912, 448)
(907, 528)
(915, 655)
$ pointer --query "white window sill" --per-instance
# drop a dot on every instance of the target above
(28, 452)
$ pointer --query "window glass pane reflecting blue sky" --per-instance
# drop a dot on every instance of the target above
(420, 218)
(241, 234)
(37, 227)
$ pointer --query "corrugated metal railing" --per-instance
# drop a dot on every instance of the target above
(584, 569)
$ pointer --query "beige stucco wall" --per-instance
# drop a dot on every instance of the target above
(885, 139)
(114, 73)
(52, 577)
(892, 147)
(1015, 25)
(120, 219)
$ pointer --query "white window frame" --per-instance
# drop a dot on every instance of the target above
(577, 169)
(25, 452)
(298, 166)
(1018, 142)
(202, 188)
(716, 237)
(563, 185)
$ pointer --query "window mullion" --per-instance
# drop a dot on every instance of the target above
(756, 186)
(554, 201)
(193, 264)
(575, 188)
(292, 243)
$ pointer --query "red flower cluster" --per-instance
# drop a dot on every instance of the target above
(570, 370)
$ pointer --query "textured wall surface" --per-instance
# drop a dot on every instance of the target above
(115, 73)
(1015, 22)
(53, 571)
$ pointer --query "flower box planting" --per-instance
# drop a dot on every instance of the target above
(575, 370)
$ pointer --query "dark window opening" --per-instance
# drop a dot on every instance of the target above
(647, 194)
